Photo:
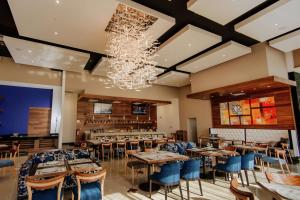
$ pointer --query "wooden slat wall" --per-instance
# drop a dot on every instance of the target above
(285, 116)
(39, 121)
(85, 114)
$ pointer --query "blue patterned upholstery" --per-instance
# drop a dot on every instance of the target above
(70, 181)
(191, 145)
(169, 147)
(6, 163)
(179, 147)
(169, 174)
(190, 169)
(259, 155)
(233, 164)
(50, 194)
(247, 161)
(89, 191)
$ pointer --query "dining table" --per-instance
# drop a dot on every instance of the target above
(156, 158)
(54, 168)
(253, 148)
(281, 191)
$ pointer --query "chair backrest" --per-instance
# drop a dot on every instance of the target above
(247, 161)
(148, 144)
(88, 178)
(283, 179)
(134, 145)
(190, 169)
(32, 183)
(171, 141)
(170, 173)
(233, 164)
(121, 144)
(239, 194)
(280, 153)
(106, 145)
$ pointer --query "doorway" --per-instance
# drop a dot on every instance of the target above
(192, 129)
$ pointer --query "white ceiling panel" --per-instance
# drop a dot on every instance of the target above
(279, 18)
(102, 68)
(223, 53)
(287, 42)
(231, 9)
(74, 23)
(174, 79)
(185, 43)
(41, 55)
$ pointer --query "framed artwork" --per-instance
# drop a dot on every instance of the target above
(256, 111)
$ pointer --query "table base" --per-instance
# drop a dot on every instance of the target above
(145, 187)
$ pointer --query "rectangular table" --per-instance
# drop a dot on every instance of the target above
(251, 148)
(156, 157)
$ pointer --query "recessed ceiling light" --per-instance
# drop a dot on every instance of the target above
(275, 24)
(242, 90)
(224, 55)
(32, 61)
(138, 90)
(166, 60)
(29, 51)
(55, 33)
(57, 1)
(268, 86)
(107, 87)
(189, 44)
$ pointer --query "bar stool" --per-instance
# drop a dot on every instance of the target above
(107, 149)
(121, 148)
(147, 144)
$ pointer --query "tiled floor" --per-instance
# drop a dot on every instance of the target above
(117, 184)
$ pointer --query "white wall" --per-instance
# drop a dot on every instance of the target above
(69, 115)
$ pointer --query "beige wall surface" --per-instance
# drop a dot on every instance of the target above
(69, 117)
(193, 108)
(10, 71)
(296, 54)
(245, 68)
(277, 65)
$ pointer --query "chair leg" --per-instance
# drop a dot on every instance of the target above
(188, 190)
(150, 188)
(254, 175)
(281, 167)
(242, 179)
(200, 186)
(231, 175)
(287, 168)
(247, 178)
(226, 176)
(290, 157)
(180, 190)
(166, 192)
(214, 176)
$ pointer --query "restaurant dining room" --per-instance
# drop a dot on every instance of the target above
(156, 99)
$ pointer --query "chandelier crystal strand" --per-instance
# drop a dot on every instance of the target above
(131, 50)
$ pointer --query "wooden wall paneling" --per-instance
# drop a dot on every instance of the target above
(285, 115)
(39, 121)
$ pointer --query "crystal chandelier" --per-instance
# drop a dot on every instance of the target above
(131, 51)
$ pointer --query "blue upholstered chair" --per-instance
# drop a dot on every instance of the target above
(89, 185)
(232, 165)
(191, 172)
(6, 163)
(47, 189)
(280, 158)
(248, 165)
(168, 176)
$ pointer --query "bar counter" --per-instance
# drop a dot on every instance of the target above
(124, 134)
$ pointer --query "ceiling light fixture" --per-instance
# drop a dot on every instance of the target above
(275, 24)
(130, 49)
(224, 55)
(57, 1)
(29, 51)
(189, 44)
(55, 33)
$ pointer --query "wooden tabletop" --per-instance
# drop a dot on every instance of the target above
(157, 157)
(3, 146)
(282, 191)
(201, 149)
(248, 147)
(218, 153)
(54, 168)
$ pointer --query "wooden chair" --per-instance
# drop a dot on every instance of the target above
(280, 159)
(147, 144)
(121, 147)
(107, 148)
(159, 143)
(283, 179)
(43, 188)
(239, 194)
(285, 146)
(171, 141)
(87, 182)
